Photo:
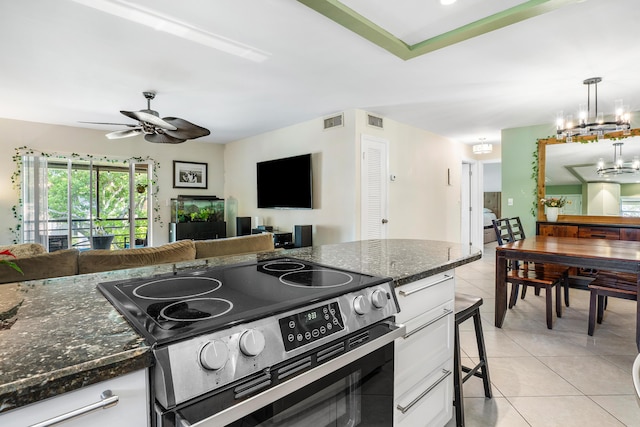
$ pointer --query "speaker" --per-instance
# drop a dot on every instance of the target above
(243, 225)
(302, 236)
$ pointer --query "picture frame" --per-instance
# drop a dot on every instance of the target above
(190, 174)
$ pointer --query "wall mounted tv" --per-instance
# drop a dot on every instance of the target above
(285, 183)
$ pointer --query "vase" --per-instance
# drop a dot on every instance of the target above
(552, 214)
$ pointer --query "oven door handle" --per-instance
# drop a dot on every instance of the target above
(252, 404)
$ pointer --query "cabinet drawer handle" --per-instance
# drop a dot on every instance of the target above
(446, 312)
(407, 293)
(404, 409)
(108, 400)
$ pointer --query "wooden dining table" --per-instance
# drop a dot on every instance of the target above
(600, 254)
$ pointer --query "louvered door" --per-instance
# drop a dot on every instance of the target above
(373, 187)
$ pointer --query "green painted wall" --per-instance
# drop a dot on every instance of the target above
(630, 190)
(564, 189)
(518, 147)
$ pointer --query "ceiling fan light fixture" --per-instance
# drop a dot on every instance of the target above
(167, 130)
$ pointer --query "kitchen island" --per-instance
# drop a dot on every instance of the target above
(61, 334)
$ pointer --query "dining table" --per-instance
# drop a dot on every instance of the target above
(598, 254)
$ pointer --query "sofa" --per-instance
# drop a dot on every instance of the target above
(36, 263)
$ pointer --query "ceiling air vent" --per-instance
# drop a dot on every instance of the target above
(375, 121)
(334, 121)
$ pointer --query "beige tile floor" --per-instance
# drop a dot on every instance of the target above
(541, 377)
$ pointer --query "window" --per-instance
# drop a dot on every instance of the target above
(630, 206)
(68, 201)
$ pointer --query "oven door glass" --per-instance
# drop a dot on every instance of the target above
(359, 394)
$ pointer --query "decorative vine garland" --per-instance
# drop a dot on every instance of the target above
(25, 151)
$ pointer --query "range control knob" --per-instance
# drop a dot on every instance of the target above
(361, 305)
(379, 298)
(213, 355)
(252, 342)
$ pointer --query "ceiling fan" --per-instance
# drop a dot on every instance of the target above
(166, 130)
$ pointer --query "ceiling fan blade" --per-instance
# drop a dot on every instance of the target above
(185, 129)
(114, 124)
(142, 116)
(162, 138)
(124, 133)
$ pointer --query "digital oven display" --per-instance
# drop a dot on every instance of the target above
(311, 318)
(310, 325)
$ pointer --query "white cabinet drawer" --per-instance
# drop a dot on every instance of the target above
(427, 344)
(132, 408)
(423, 295)
(428, 403)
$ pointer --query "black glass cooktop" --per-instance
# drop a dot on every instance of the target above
(172, 307)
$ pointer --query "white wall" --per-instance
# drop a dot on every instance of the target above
(334, 214)
(66, 140)
(422, 203)
(492, 177)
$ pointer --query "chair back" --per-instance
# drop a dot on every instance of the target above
(503, 233)
(515, 229)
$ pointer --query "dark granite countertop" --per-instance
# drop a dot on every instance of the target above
(61, 334)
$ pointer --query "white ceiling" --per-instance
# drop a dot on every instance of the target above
(63, 62)
(567, 164)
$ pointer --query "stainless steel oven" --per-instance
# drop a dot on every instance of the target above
(355, 388)
(278, 343)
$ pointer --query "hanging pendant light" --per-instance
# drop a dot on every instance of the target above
(618, 167)
(482, 148)
(592, 122)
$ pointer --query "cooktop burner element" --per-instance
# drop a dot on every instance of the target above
(316, 278)
(171, 288)
(190, 310)
(283, 266)
(174, 307)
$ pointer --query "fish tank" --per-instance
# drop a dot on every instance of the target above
(197, 209)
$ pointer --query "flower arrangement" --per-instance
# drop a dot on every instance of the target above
(10, 263)
(553, 202)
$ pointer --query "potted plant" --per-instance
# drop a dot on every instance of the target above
(100, 238)
(553, 205)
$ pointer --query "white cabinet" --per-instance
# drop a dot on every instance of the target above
(132, 408)
(423, 372)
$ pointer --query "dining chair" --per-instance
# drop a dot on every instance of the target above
(529, 274)
(501, 227)
(517, 232)
(609, 284)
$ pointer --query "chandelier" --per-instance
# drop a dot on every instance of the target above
(593, 124)
(618, 167)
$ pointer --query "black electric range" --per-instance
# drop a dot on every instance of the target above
(231, 330)
(173, 307)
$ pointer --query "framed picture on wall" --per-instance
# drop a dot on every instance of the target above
(189, 174)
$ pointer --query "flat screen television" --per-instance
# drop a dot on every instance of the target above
(285, 183)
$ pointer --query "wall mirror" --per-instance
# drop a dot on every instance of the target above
(571, 170)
